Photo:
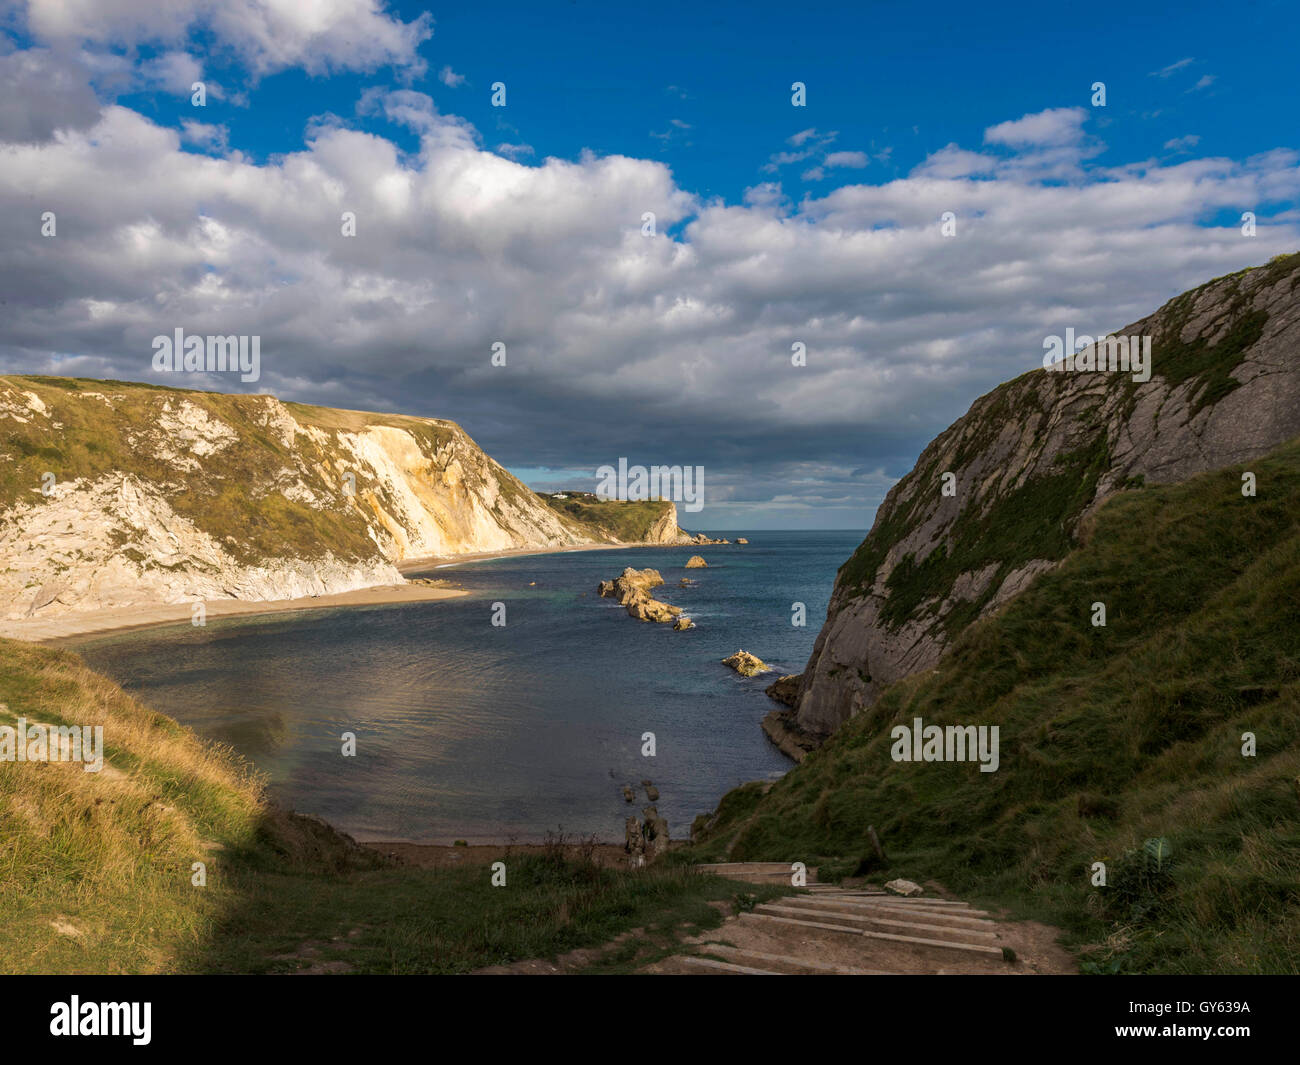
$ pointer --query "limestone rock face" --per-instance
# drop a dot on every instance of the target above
(1032, 460)
(164, 496)
(666, 530)
(695, 562)
(746, 664)
(683, 624)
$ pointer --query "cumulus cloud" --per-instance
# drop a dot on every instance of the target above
(204, 135)
(955, 162)
(1052, 128)
(267, 35)
(667, 348)
(41, 92)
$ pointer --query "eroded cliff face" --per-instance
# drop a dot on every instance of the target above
(1032, 459)
(114, 495)
(665, 530)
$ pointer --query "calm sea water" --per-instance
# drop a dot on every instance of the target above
(469, 731)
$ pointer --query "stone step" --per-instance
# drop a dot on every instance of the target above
(857, 906)
(893, 937)
(937, 911)
(739, 953)
(975, 948)
(725, 966)
(938, 903)
(801, 921)
(824, 913)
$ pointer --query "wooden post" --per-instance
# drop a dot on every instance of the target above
(875, 842)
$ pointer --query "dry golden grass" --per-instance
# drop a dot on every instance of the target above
(96, 868)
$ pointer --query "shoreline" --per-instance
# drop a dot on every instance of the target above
(73, 627)
(161, 615)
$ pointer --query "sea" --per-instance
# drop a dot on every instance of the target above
(463, 729)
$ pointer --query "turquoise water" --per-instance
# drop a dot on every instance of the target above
(469, 731)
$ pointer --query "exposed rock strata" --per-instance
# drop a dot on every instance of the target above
(1032, 460)
(118, 495)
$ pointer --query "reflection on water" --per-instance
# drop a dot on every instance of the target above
(465, 730)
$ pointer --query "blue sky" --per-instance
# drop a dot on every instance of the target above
(776, 223)
(584, 75)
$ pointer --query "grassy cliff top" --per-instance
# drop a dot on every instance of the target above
(1110, 737)
(626, 521)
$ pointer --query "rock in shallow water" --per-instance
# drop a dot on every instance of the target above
(746, 664)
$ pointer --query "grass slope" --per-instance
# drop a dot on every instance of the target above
(1110, 737)
(96, 868)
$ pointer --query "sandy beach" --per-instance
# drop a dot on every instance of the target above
(153, 615)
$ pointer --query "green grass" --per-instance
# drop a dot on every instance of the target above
(230, 496)
(1033, 521)
(626, 521)
(453, 920)
(1109, 737)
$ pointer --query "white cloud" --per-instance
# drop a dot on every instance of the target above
(450, 78)
(174, 72)
(458, 246)
(847, 159)
(955, 162)
(202, 135)
(268, 35)
(1183, 144)
(1052, 128)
